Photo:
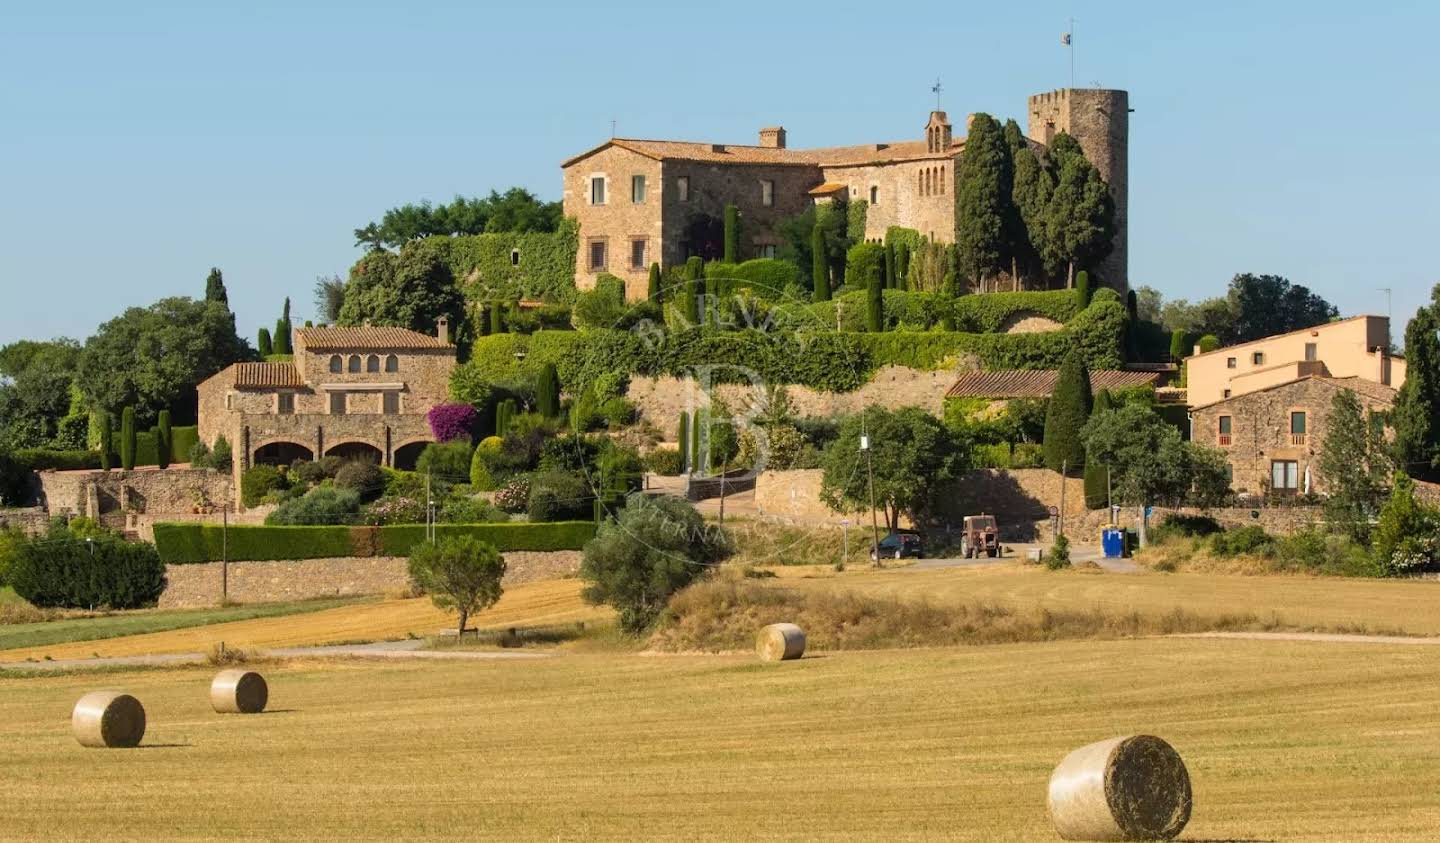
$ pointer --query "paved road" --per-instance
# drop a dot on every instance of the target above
(407, 649)
(1078, 553)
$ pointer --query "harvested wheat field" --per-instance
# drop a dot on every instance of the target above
(535, 603)
(1283, 741)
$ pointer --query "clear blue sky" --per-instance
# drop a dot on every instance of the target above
(141, 143)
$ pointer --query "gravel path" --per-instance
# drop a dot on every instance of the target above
(407, 649)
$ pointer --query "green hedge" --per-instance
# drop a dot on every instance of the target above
(546, 269)
(987, 312)
(181, 543)
(44, 459)
(557, 535)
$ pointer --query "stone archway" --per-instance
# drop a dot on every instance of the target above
(281, 453)
(354, 450)
(405, 456)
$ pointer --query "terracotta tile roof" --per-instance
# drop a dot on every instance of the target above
(266, 375)
(727, 153)
(827, 188)
(1039, 383)
(380, 339)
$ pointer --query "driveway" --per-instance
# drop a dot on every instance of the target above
(1018, 552)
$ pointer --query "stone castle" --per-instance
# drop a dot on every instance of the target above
(645, 201)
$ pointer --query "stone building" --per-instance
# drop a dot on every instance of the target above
(352, 392)
(1357, 347)
(644, 201)
(1272, 436)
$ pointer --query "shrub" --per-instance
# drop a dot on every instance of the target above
(61, 570)
(259, 481)
(1193, 526)
(449, 422)
(1027, 455)
(1083, 290)
(1241, 540)
(164, 440)
(45, 459)
(559, 496)
(547, 392)
(862, 262)
(10, 541)
(127, 438)
(514, 496)
(467, 509)
(653, 548)
(400, 509)
(460, 573)
(307, 472)
(446, 464)
(665, 461)
(1058, 556)
(618, 412)
(363, 478)
(321, 505)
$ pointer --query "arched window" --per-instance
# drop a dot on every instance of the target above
(942, 179)
(392, 363)
(929, 181)
(354, 366)
(372, 363)
(920, 182)
(335, 363)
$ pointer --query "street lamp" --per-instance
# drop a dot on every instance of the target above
(870, 480)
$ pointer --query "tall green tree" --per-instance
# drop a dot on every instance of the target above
(1080, 218)
(890, 269)
(1265, 305)
(874, 302)
(127, 438)
(411, 290)
(516, 210)
(1096, 473)
(732, 234)
(107, 439)
(819, 265)
(547, 392)
(912, 458)
(329, 293)
(461, 573)
(982, 193)
(1354, 465)
(1030, 195)
(263, 344)
(1069, 409)
(283, 331)
(1149, 461)
(215, 287)
(164, 440)
(1083, 290)
(1416, 416)
(37, 387)
(653, 291)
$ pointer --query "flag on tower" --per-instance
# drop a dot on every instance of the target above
(1065, 39)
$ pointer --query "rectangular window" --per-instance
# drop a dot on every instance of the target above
(1226, 394)
(337, 403)
(597, 255)
(1297, 422)
(285, 404)
(637, 189)
(391, 403)
(1229, 362)
(682, 188)
(767, 192)
(1312, 353)
(874, 195)
(1284, 475)
(1224, 431)
(1258, 358)
(597, 190)
(767, 250)
(637, 253)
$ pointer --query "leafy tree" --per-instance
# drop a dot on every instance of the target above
(164, 440)
(653, 290)
(1264, 305)
(92, 570)
(215, 287)
(732, 234)
(653, 548)
(1096, 473)
(1030, 196)
(912, 457)
(445, 463)
(1148, 302)
(127, 438)
(1208, 343)
(1417, 408)
(460, 573)
(547, 392)
(819, 265)
(1354, 465)
(516, 210)
(153, 357)
(263, 344)
(1150, 463)
(1068, 411)
(984, 180)
(411, 291)
(1405, 537)
(1210, 316)
(1080, 218)
(1179, 345)
(329, 298)
(37, 393)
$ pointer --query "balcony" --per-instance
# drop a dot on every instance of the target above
(1297, 439)
(1225, 440)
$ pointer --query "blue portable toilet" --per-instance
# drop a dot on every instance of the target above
(1112, 542)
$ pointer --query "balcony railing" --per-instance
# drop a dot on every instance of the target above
(1297, 439)
(1224, 440)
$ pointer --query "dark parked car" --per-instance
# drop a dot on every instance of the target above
(900, 545)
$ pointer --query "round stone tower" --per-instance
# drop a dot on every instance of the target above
(1100, 121)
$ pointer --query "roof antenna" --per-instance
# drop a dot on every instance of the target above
(612, 129)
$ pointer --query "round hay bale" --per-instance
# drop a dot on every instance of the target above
(1128, 788)
(780, 642)
(108, 719)
(239, 692)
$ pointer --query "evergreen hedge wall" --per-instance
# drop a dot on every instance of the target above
(182, 543)
(546, 269)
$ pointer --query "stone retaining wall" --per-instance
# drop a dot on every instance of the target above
(170, 491)
(32, 521)
(190, 586)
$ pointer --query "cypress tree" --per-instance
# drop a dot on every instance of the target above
(1083, 291)
(107, 440)
(1096, 485)
(695, 288)
(684, 437)
(874, 303)
(732, 234)
(902, 267)
(282, 331)
(278, 338)
(1080, 219)
(1179, 345)
(1067, 413)
(547, 391)
(497, 324)
(215, 287)
(819, 267)
(262, 343)
(1132, 306)
(1030, 194)
(1416, 415)
(696, 423)
(982, 193)
(127, 438)
(653, 291)
(164, 440)
(890, 282)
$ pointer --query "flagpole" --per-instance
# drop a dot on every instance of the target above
(1071, 44)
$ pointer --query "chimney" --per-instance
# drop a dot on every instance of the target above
(773, 137)
(442, 329)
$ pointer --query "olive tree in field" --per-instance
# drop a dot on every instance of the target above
(460, 573)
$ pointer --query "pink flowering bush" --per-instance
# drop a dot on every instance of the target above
(452, 421)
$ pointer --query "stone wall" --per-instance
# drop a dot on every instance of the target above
(31, 521)
(901, 198)
(191, 586)
(661, 400)
(171, 491)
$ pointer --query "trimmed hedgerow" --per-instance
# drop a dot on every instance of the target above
(557, 535)
(52, 572)
(45, 459)
(988, 312)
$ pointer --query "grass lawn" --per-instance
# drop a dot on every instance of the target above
(1284, 741)
(537, 603)
(47, 633)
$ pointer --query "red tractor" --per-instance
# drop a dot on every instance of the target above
(981, 537)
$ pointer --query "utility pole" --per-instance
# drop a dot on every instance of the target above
(870, 475)
(429, 510)
(225, 554)
(1060, 519)
(1109, 493)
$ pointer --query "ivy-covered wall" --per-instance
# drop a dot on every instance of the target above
(482, 263)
